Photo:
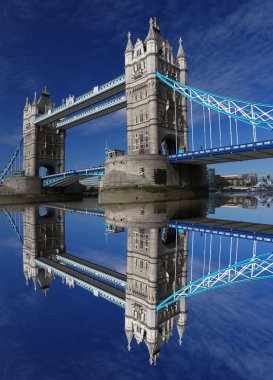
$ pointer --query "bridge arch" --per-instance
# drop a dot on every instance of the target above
(168, 145)
(45, 169)
(168, 237)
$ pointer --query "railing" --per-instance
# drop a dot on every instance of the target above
(234, 149)
(94, 92)
(54, 178)
(92, 111)
(80, 282)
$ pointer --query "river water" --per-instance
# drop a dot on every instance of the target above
(80, 285)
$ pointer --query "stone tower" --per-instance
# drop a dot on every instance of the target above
(44, 146)
(150, 103)
(156, 267)
(156, 127)
(44, 235)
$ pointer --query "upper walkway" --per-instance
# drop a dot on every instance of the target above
(94, 269)
(72, 277)
(97, 94)
(94, 112)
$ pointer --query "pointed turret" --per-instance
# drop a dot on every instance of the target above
(129, 47)
(34, 279)
(44, 103)
(129, 50)
(34, 103)
(26, 277)
(129, 334)
(26, 105)
(181, 321)
(180, 330)
(45, 91)
(151, 34)
(34, 106)
(181, 61)
(181, 52)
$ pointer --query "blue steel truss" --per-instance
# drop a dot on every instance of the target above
(53, 180)
(13, 225)
(11, 161)
(255, 114)
(255, 268)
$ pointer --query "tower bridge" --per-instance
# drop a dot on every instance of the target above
(167, 122)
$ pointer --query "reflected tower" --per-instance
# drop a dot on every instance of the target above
(156, 267)
(44, 236)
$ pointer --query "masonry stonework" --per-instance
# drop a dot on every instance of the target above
(156, 121)
(44, 146)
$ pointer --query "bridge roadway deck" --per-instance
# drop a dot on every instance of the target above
(241, 152)
(83, 277)
(251, 231)
(82, 102)
(70, 259)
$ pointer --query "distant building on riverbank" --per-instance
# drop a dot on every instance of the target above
(236, 180)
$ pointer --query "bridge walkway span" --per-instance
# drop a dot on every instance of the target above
(94, 96)
(241, 152)
(93, 268)
(82, 278)
(244, 230)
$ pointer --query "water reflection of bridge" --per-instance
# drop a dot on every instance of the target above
(162, 256)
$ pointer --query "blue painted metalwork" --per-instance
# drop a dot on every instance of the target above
(93, 271)
(81, 210)
(222, 231)
(259, 146)
(11, 161)
(54, 179)
(90, 94)
(255, 268)
(258, 114)
(76, 281)
(108, 107)
(13, 225)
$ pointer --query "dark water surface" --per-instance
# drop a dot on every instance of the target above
(57, 323)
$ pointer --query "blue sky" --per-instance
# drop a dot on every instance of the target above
(71, 46)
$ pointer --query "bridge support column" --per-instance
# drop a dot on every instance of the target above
(150, 178)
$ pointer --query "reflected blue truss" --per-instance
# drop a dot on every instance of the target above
(254, 268)
(13, 224)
